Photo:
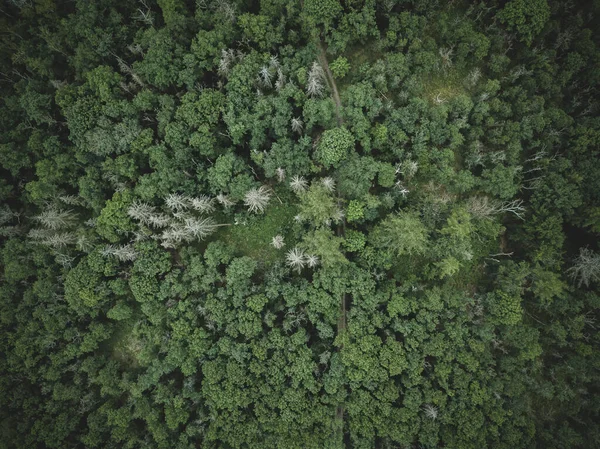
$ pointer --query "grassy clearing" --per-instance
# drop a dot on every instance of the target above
(125, 346)
(253, 239)
(444, 86)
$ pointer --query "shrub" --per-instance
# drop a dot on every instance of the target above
(334, 146)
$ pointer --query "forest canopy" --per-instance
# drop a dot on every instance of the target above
(299, 224)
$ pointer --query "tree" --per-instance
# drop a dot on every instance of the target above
(317, 206)
(257, 199)
(161, 286)
(334, 146)
(321, 13)
(315, 86)
(586, 267)
(298, 184)
(340, 67)
(402, 234)
(526, 17)
(323, 246)
(295, 259)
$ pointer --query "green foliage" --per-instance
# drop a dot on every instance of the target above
(317, 205)
(424, 274)
(386, 176)
(113, 221)
(322, 243)
(356, 175)
(505, 309)
(82, 291)
(334, 146)
(527, 17)
(354, 241)
(322, 13)
(355, 211)
(401, 234)
(340, 67)
(120, 311)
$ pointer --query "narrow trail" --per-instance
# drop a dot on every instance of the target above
(341, 327)
(336, 96)
(341, 231)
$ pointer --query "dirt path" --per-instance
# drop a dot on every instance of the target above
(331, 82)
(341, 231)
(341, 328)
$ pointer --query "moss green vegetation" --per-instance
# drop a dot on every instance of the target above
(253, 236)
(299, 224)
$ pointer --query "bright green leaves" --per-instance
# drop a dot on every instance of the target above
(84, 290)
(317, 205)
(151, 259)
(215, 343)
(387, 175)
(360, 358)
(340, 67)
(150, 262)
(113, 222)
(527, 17)
(324, 244)
(505, 308)
(161, 64)
(448, 266)
(398, 306)
(355, 210)
(203, 108)
(393, 357)
(200, 114)
(176, 412)
(174, 13)
(354, 241)
(238, 275)
(144, 288)
(120, 311)
(229, 175)
(256, 302)
(258, 28)
(103, 81)
(322, 12)
(36, 104)
(355, 176)
(335, 145)
(401, 234)
(454, 247)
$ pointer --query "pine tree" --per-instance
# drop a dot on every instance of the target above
(53, 218)
(177, 202)
(203, 204)
(315, 86)
(298, 184)
(124, 253)
(328, 183)
(295, 259)
(297, 125)
(586, 267)
(257, 199)
(277, 242)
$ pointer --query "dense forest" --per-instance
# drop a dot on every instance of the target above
(299, 224)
